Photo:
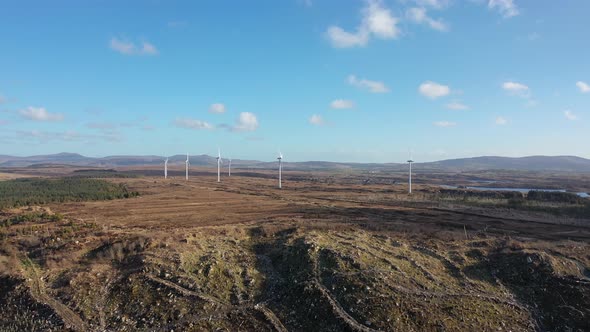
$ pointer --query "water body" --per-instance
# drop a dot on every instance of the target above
(522, 190)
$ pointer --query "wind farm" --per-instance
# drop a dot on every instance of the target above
(296, 165)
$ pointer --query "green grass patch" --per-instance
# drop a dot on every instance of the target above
(23, 192)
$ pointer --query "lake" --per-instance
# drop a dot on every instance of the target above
(522, 190)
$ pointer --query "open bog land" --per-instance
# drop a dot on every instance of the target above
(132, 251)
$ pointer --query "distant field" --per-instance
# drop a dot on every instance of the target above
(20, 192)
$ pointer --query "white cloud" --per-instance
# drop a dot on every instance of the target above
(316, 120)
(148, 48)
(445, 124)
(40, 114)
(68, 135)
(217, 108)
(129, 48)
(246, 122)
(193, 124)
(583, 86)
(434, 90)
(379, 20)
(517, 89)
(437, 4)
(376, 21)
(457, 106)
(419, 16)
(506, 7)
(500, 121)
(372, 86)
(101, 125)
(343, 39)
(570, 115)
(339, 104)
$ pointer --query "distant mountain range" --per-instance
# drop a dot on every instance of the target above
(532, 163)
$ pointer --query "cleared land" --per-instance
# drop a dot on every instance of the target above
(326, 253)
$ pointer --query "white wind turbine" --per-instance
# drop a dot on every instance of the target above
(166, 168)
(229, 168)
(280, 158)
(187, 162)
(410, 161)
(218, 165)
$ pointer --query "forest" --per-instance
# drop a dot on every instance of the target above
(23, 192)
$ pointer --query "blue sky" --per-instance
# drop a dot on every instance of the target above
(363, 80)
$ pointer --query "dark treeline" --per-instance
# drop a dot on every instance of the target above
(22, 192)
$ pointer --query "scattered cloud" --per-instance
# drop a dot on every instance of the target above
(217, 108)
(500, 121)
(457, 106)
(419, 16)
(177, 24)
(377, 21)
(316, 120)
(40, 114)
(339, 104)
(507, 8)
(306, 3)
(583, 86)
(433, 90)
(148, 128)
(101, 125)
(130, 48)
(534, 36)
(246, 122)
(517, 89)
(445, 124)
(68, 136)
(436, 4)
(193, 124)
(3, 122)
(2, 100)
(342, 39)
(570, 115)
(372, 86)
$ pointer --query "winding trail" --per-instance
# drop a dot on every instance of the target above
(38, 292)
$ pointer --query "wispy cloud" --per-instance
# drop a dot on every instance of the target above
(457, 106)
(40, 114)
(420, 16)
(217, 108)
(445, 124)
(177, 24)
(377, 21)
(506, 8)
(434, 90)
(339, 104)
(436, 4)
(193, 124)
(101, 125)
(371, 86)
(517, 89)
(130, 48)
(570, 115)
(501, 121)
(316, 120)
(583, 86)
(68, 136)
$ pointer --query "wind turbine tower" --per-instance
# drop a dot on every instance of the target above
(187, 162)
(280, 158)
(166, 168)
(229, 168)
(218, 165)
(410, 161)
